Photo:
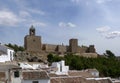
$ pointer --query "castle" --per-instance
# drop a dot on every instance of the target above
(33, 44)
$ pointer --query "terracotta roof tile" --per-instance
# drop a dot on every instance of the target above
(55, 75)
(68, 80)
(74, 79)
(79, 73)
(34, 75)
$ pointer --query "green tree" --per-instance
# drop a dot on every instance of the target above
(15, 47)
(109, 54)
(106, 66)
(50, 58)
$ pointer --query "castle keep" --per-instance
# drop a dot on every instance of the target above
(33, 43)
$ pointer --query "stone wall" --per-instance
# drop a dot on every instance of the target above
(32, 43)
(49, 48)
(82, 49)
(61, 48)
(54, 48)
(91, 49)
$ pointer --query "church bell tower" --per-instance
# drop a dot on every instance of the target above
(32, 31)
(32, 43)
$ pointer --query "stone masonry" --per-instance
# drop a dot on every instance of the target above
(33, 44)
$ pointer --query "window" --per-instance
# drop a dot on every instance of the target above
(35, 82)
(16, 74)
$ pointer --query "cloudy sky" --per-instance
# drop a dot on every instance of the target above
(90, 21)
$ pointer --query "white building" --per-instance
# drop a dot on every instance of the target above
(61, 68)
(93, 72)
(10, 74)
(6, 53)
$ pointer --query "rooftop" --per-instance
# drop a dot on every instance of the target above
(34, 75)
(79, 73)
(5, 67)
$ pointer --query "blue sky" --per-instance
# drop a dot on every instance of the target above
(90, 21)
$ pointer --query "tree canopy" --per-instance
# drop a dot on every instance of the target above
(109, 54)
(107, 66)
(15, 47)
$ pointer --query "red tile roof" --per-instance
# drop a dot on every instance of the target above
(34, 75)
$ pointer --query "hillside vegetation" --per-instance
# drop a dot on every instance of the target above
(107, 66)
(15, 47)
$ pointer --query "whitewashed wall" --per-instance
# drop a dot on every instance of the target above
(16, 79)
(8, 56)
(3, 58)
(62, 69)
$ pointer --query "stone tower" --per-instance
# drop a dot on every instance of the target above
(73, 45)
(32, 43)
(91, 49)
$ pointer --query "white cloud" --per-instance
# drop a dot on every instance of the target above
(76, 1)
(36, 11)
(102, 1)
(113, 34)
(8, 18)
(103, 29)
(24, 14)
(87, 1)
(69, 24)
(24, 5)
(108, 34)
(37, 23)
(41, 24)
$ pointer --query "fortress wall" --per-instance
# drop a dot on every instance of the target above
(54, 48)
(67, 49)
(82, 49)
(61, 48)
(91, 49)
(49, 47)
(43, 47)
(33, 44)
(88, 55)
